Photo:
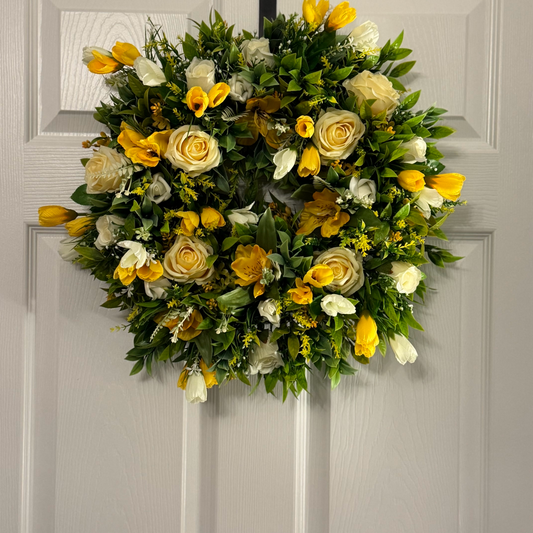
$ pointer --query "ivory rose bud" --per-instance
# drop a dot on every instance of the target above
(406, 276)
(417, 150)
(149, 73)
(364, 190)
(156, 289)
(125, 53)
(334, 304)
(197, 101)
(411, 180)
(310, 162)
(193, 150)
(256, 50)
(105, 170)
(428, 198)
(240, 89)
(337, 133)
(186, 261)
(107, 226)
(201, 73)
(268, 309)
(347, 267)
(365, 37)
(404, 351)
(54, 215)
(196, 389)
(218, 94)
(244, 216)
(264, 358)
(159, 190)
(284, 160)
(448, 185)
(305, 127)
(369, 86)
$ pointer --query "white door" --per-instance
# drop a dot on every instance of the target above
(444, 446)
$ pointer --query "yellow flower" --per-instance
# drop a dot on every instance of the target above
(447, 185)
(125, 53)
(313, 13)
(305, 127)
(126, 275)
(53, 215)
(211, 218)
(77, 227)
(197, 101)
(188, 329)
(218, 94)
(143, 150)
(151, 272)
(190, 221)
(411, 180)
(366, 335)
(341, 15)
(302, 294)
(323, 213)
(319, 276)
(248, 265)
(103, 64)
(182, 380)
(209, 377)
(310, 162)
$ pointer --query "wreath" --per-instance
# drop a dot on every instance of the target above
(183, 214)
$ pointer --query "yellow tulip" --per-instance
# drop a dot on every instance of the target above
(190, 221)
(411, 180)
(366, 335)
(218, 94)
(211, 218)
(146, 151)
(54, 215)
(197, 101)
(310, 162)
(77, 227)
(125, 53)
(209, 377)
(324, 213)
(448, 186)
(319, 276)
(151, 272)
(126, 275)
(248, 265)
(305, 127)
(182, 380)
(302, 294)
(341, 15)
(313, 13)
(103, 64)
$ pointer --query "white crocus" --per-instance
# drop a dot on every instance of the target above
(427, 199)
(406, 276)
(264, 358)
(156, 289)
(196, 389)
(159, 189)
(66, 249)
(284, 161)
(334, 304)
(256, 50)
(201, 73)
(136, 255)
(365, 37)
(88, 55)
(240, 89)
(364, 190)
(404, 351)
(268, 309)
(107, 226)
(417, 150)
(242, 216)
(149, 73)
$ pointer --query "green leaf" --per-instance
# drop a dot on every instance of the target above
(277, 258)
(293, 343)
(340, 74)
(90, 253)
(238, 297)
(136, 85)
(137, 367)
(293, 86)
(286, 101)
(411, 100)
(205, 347)
(266, 232)
(210, 260)
(402, 69)
(228, 242)
(440, 132)
(403, 212)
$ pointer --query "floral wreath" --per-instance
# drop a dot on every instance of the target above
(176, 222)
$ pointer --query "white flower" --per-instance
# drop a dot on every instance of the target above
(196, 389)
(264, 358)
(369, 86)
(242, 216)
(406, 276)
(269, 310)
(105, 170)
(417, 150)
(156, 289)
(201, 73)
(364, 190)
(240, 89)
(106, 226)
(347, 269)
(404, 351)
(365, 37)
(159, 189)
(149, 73)
(66, 249)
(256, 50)
(284, 161)
(427, 199)
(88, 53)
(136, 255)
(335, 303)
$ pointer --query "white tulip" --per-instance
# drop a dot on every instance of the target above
(149, 73)
(196, 389)
(365, 37)
(136, 255)
(406, 276)
(404, 351)
(417, 150)
(284, 161)
(242, 216)
(256, 50)
(159, 189)
(156, 289)
(66, 249)
(268, 309)
(240, 89)
(363, 190)
(88, 53)
(264, 358)
(427, 199)
(106, 226)
(333, 304)
(201, 73)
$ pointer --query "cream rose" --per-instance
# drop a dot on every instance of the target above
(365, 37)
(406, 276)
(364, 190)
(256, 50)
(417, 150)
(186, 261)
(193, 150)
(337, 133)
(268, 309)
(264, 358)
(105, 170)
(347, 268)
(240, 89)
(149, 73)
(369, 86)
(201, 73)
(159, 189)
(107, 226)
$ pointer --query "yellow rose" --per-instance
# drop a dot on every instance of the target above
(366, 335)
(197, 101)
(125, 53)
(411, 180)
(302, 294)
(151, 272)
(54, 215)
(341, 15)
(103, 63)
(248, 265)
(126, 275)
(105, 170)
(448, 186)
(310, 162)
(347, 267)
(189, 222)
(186, 261)
(319, 276)
(313, 13)
(143, 150)
(305, 127)
(211, 218)
(218, 93)
(78, 226)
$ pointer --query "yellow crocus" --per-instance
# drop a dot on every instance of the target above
(103, 64)
(209, 377)
(218, 94)
(211, 218)
(411, 180)
(319, 276)
(302, 293)
(125, 53)
(151, 272)
(310, 162)
(189, 222)
(78, 226)
(143, 150)
(366, 335)
(126, 275)
(305, 127)
(313, 13)
(341, 15)
(197, 101)
(54, 215)
(449, 186)
(248, 265)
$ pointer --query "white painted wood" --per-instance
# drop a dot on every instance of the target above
(445, 445)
